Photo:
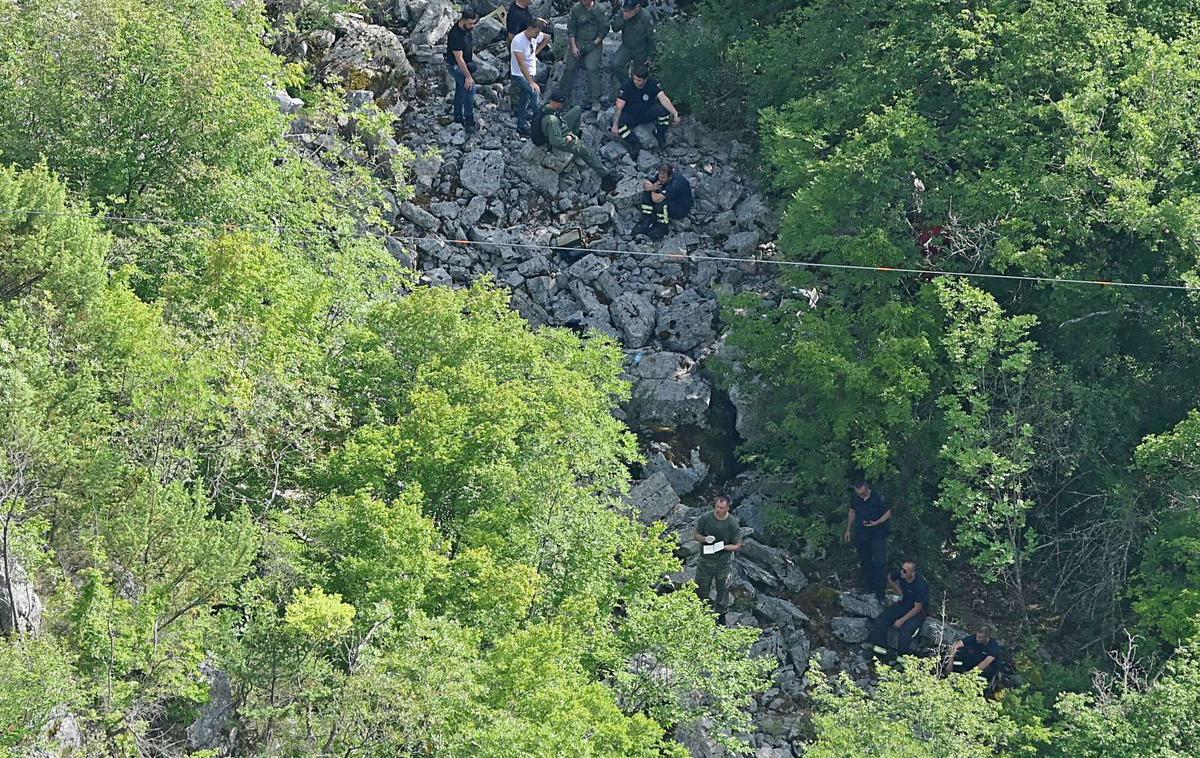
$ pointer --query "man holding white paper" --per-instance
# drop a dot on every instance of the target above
(720, 536)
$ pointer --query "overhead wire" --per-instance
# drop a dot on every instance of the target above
(282, 231)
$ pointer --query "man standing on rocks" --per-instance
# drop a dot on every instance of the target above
(665, 196)
(518, 18)
(906, 616)
(562, 133)
(642, 101)
(868, 523)
(720, 536)
(637, 37)
(523, 52)
(587, 26)
(459, 49)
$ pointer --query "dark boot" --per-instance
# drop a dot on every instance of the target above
(643, 225)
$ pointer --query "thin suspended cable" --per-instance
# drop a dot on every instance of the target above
(282, 231)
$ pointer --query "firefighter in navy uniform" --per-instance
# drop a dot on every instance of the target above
(642, 101)
(978, 652)
(903, 619)
(868, 523)
(665, 196)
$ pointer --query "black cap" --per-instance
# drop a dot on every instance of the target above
(631, 4)
(557, 97)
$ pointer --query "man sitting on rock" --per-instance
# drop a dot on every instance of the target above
(642, 101)
(720, 536)
(905, 617)
(562, 133)
(665, 196)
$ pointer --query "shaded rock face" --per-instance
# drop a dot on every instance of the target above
(668, 391)
(367, 57)
(211, 730)
(20, 605)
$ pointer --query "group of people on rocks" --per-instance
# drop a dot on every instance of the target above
(868, 525)
(667, 195)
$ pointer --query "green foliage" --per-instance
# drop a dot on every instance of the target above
(989, 449)
(913, 713)
(37, 683)
(130, 100)
(1156, 720)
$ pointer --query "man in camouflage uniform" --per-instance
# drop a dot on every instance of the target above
(587, 26)
(637, 38)
(563, 134)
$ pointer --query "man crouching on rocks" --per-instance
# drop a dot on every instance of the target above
(720, 536)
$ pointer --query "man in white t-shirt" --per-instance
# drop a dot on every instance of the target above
(523, 53)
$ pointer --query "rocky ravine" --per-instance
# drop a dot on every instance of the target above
(510, 199)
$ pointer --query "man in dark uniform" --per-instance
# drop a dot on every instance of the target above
(977, 652)
(459, 50)
(665, 196)
(868, 523)
(905, 617)
(720, 536)
(642, 101)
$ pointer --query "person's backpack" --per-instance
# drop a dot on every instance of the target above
(537, 135)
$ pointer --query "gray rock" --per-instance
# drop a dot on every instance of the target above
(779, 612)
(211, 730)
(538, 176)
(742, 243)
(400, 251)
(438, 277)
(799, 647)
(419, 216)
(936, 633)
(486, 30)
(653, 499)
(535, 265)
(587, 268)
(684, 326)
(287, 104)
(684, 478)
(433, 19)
(474, 211)
(488, 68)
(598, 215)
(776, 561)
(366, 56)
(697, 739)
(542, 289)
(357, 98)
(22, 612)
(483, 172)
(753, 211)
(444, 210)
(424, 168)
(770, 645)
(850, 629)
(635, 317)
(860, 604)
(668, 391)
(826, 659)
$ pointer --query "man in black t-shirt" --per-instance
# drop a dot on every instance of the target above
(978, 652)
(868, 524)
(459, 52)
(642, 101)
(905, 617)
